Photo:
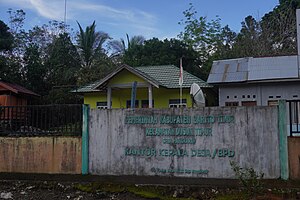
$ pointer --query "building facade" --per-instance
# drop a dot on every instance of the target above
(155, 87)
(256, 81)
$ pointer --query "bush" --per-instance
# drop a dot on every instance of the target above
(249, 179)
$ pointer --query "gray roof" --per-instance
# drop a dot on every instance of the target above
(254, 69)
(162, 75)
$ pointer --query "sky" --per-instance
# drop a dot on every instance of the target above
(150, 18)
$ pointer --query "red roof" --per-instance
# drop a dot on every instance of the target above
(16, 88)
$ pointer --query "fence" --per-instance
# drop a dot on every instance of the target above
(294, 117)
(41, 120)
(186, 142)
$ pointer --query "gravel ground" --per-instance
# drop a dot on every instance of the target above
(48, 190)
(36, 190)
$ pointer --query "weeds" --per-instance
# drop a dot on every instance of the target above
(249, 178)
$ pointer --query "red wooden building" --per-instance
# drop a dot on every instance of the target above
(14, 95)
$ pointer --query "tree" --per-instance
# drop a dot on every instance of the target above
(209, 39)
(63, 61)
(11, 70)
(279, 28)
(6, 44)
(35, 70)
(200, 34)
(119, 47)
(16, 22)
(248, 41)
(63, 65)
(158, 52)
(90, 44)
(6, 38)
(102, 66)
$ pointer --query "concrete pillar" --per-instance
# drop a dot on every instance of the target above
(283, 149)
(85, 140)
(109, 97)
(150, 96)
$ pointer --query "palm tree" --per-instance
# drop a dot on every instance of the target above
(90, 44)
(119, 46)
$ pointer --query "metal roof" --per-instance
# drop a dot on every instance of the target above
(226, 71)
(161, 75)
(283, 67)
(254, 69)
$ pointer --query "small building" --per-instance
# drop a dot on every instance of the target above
(15, 95)
(156, 87)
(256, 81)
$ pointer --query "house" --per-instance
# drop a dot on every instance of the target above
(156, 87)
(256, 81)
(14, 95)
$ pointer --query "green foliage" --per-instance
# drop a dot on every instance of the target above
(209, 39)
(90, 44)
(249, 178)
(62, 62)
(10, 70)
(120, 48)
(62, 95)
(35, 70)
(164, 52)
(275, 34)
(200, 34)
(279, 28)
(101, 68)
(6, 38)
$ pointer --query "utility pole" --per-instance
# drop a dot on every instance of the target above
(65, 16)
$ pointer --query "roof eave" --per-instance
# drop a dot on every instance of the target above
(8, 87)
(127, 67)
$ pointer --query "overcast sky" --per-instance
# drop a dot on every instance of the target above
(150, 18)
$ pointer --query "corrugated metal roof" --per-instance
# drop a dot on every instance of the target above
(273, 68)
(254, 69)
(162, 75)
(233, 70)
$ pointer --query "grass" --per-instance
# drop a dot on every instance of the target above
(188, 192)
(151, 192)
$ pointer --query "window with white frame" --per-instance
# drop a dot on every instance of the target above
(101, 105)
(175, 103)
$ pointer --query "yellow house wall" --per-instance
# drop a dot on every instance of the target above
(160, 95)
(125, 76)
